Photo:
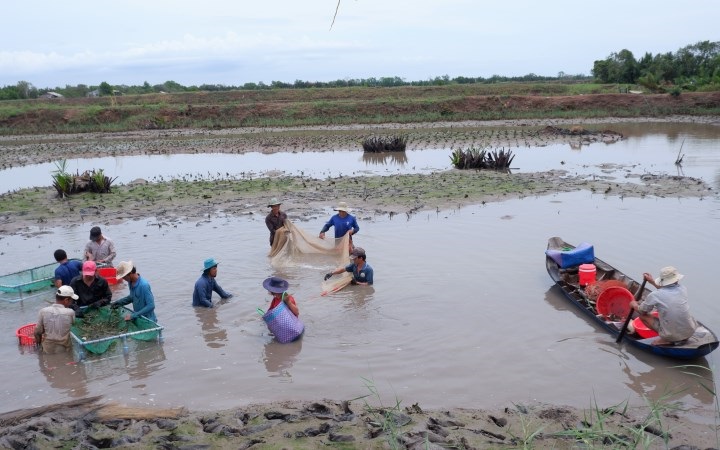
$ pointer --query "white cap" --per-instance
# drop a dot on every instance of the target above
(66, 291)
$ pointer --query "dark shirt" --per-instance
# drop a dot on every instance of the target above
(98, 291)
(204, 287)
(273, 222)
(68, 270)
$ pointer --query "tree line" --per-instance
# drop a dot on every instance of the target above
(25, 90)
(689, 68)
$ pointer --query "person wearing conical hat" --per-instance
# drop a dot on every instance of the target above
(674, 324)
(206, 285)
(275, 219)
(343, 222)
(141, 295)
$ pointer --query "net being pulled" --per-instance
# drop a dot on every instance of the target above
(293, 246)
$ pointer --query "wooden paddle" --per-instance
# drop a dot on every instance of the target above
(627, 321)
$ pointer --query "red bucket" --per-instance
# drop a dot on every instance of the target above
(109, 273)
(643, 330)
(614, 300)
(26, 334)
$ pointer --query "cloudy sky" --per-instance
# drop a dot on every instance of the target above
(232, 42)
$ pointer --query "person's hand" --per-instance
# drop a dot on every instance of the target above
(353, 281)
(114, 305)
(229, 296)
(328, 275)
(321, 235)
(128, 317)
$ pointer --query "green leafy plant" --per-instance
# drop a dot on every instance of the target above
(63, 182)
(389, 419)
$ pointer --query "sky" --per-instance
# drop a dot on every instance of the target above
(233, 42)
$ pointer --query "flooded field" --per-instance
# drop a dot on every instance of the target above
(462, 312)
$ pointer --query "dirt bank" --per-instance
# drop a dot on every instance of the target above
(358, 424)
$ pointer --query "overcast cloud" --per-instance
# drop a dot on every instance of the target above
(51, 44)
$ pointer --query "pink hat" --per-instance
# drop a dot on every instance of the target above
(89, 268)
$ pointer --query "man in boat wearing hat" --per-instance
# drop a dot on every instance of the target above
(53, 326)
(343, 221)
(206, 284)
(99, 248)
(275, 219)
(141, 295)
(674, 323)
(361, 271)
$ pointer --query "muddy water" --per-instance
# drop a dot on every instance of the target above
(462, 313)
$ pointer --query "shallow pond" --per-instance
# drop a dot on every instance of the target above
(462, 313)
(647, 148)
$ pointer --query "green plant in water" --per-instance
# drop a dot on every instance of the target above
(62, 180)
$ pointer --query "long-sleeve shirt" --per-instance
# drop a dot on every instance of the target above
(204, 287)
(273, 222)
(342, 225)
(104, 252)
(53, 328)
(97, 292)
(142, 299)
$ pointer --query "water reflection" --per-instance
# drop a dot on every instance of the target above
(279, 358)
(662, 378)
(147, 358)
(214, 335)
(63, 373)
(394, 158)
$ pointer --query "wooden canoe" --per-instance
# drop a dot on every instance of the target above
(700, 344)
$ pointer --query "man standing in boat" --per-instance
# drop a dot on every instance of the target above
(674, 323)
(99, 248)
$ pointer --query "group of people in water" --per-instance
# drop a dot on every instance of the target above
(80, 287)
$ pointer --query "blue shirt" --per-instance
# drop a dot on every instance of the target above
(142, 299)
(68, 270)
(342, 225)
(204, 287)
(364, 275)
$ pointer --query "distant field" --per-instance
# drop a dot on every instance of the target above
(336, 106)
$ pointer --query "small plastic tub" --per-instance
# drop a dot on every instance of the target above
(109, 273)
(643, 330)
(26, 334)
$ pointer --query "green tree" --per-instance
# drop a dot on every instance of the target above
(105, 88)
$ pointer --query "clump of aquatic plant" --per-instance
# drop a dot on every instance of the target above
(90, 181)
(379, 144)
(99, 182)
(62, 180)
(388, 420)
(481, 158)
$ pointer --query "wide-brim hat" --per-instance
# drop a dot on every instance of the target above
(276, 285)
(66, 291)
(274, 201)
(89, 268)
(668, 275)
(123, 269)
(209, 264)
(342, 206)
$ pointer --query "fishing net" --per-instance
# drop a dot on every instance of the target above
(594, 290)
(292, 246)
(100, 328)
